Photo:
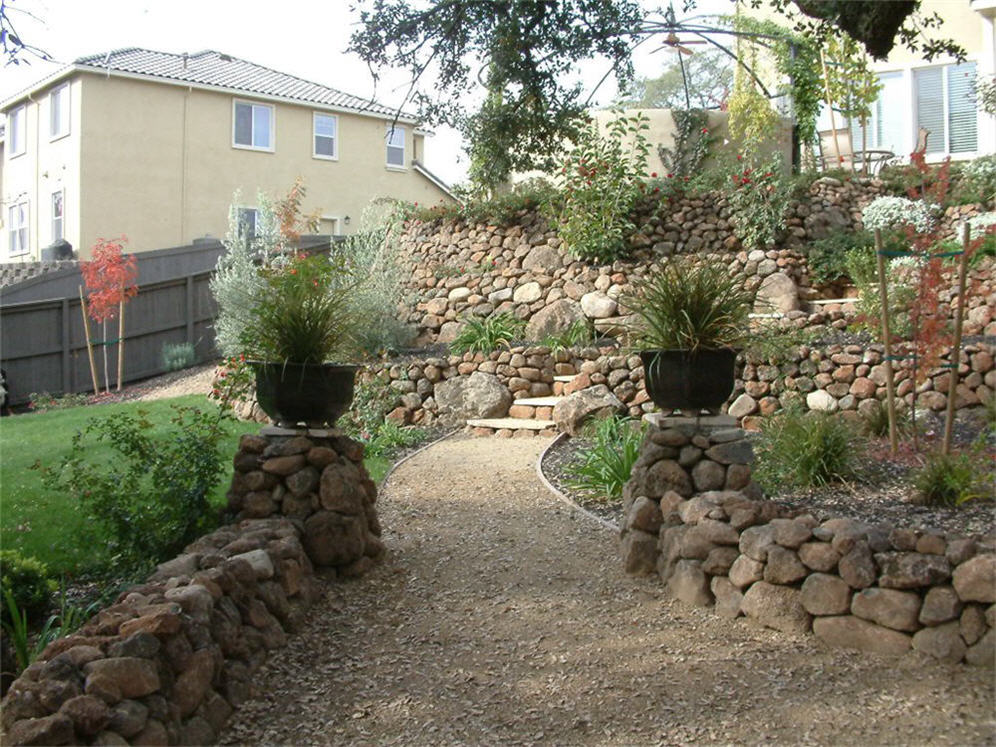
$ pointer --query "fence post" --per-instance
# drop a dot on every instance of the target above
(190, 309)
(66, 363)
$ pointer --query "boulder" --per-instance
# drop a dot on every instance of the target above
(690, 584)
(553, 319)
(783, 566)
(940, 605)
(728, 597)
(527, 293)
(911, 570)
(848, 631)
(975, 579)
(480, 395)
(598, 306)
(331, 538)
(778, 292)
(942, 642)
(639, 552)
(890, 608)
(825, 594)
(778, 607)
(597, 401)
(543, 259)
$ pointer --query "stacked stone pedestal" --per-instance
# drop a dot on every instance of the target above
(679, 457)
(317, 478)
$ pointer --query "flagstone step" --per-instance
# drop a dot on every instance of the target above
(539, 401)
(512, 424)
(564, 379)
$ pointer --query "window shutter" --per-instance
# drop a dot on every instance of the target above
(929, 92)
(962, 116)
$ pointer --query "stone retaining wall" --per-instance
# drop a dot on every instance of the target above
(837, 377)
(171, 660)
(853, 585)
(457, 270)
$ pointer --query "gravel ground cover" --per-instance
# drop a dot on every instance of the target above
(501, 616)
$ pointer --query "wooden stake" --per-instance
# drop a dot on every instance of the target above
(120, 342)
(833, 119)
(954, 378)
(89, 345)
(889, 384)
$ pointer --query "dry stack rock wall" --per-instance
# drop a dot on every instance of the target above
(172, 658)
(875, 588)
(458, 270)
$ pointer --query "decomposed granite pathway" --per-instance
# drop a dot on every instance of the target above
(501, 616)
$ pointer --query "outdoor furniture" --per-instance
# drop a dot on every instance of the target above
(875, 160)
(836, 151)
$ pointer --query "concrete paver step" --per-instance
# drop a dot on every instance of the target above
(565, 379)
(512, 424)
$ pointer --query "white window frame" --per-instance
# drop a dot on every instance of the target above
(945, 136)
(315, 136)
(18, 229)
(336, 223)
(273, 125)
(243, 211)
(17, 130)
(59, 220)
(392, 128)
(59, 128)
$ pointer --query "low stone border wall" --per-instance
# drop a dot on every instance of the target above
(853, 585)
(837, 377)
(171, 660)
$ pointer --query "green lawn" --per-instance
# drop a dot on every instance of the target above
(43, 523)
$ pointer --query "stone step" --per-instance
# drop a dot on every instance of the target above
(538, 401)
(512, 424)
(564, 379)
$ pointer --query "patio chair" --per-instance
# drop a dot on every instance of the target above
(836, 151)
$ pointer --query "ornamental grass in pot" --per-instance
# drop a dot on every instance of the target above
(298, 335)
(690, 319)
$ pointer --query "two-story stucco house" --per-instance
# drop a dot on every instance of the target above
(152, 145)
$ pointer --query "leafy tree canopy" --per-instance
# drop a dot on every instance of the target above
(526, 55)
(710, 79)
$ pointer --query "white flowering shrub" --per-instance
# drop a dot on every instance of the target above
(980, 224)
(236, 284)
(890, 212)
(979, 178)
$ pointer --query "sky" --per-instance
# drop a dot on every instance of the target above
(306, 38)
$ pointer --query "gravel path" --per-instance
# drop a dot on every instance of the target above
(501, 616)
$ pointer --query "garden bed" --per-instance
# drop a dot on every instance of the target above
(881, 494)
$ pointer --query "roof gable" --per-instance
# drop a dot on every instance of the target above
(211, 68)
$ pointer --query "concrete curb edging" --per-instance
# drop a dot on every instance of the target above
(560, 496)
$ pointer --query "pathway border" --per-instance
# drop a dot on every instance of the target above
(560, 496)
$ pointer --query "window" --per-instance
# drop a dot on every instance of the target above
(328, 226)
(18, 229)
(253, 126)
(396, 146)
(57, 215)
(16, 131)
(58, 103)
(248, 218)
(888, 122)
(326, 145)
(945, 105)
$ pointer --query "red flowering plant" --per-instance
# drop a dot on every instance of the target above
(758, 198)
(602, 182)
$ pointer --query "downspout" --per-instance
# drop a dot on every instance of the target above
(183, 169)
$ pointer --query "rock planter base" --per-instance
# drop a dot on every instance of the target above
(171, 660)
(874, 588)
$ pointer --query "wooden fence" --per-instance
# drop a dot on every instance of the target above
(43, 345)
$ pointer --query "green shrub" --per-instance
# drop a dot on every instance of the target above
(486, 335)
(804, 449)
(43, 401)
(499, 209)
(604, 467)
(949, 480)
(390, 436)
(179, 356)
(27, 580)
(579, 333)
(372, 399)
(150, 497)
(875, 422)
(862, 267)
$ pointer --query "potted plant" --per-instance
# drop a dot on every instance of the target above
(690, 318)
(296, 331)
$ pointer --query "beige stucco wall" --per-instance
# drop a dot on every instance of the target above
(47, 165)
(160, 166)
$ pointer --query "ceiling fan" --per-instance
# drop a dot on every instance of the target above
(672, 40)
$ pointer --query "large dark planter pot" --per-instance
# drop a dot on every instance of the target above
(310, 393)
(686, 380)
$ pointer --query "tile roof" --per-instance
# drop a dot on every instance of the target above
(212, 68)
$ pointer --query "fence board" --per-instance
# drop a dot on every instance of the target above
(43, 346)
